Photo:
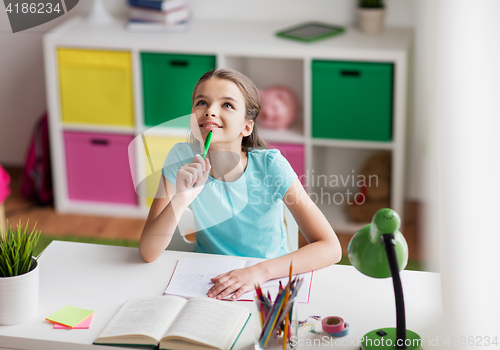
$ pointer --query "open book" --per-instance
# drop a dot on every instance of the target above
(191, 278)
(176, 323)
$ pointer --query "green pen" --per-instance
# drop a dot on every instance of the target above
(207, 144)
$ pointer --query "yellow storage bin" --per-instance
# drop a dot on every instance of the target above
(158, 148)
(96, 87)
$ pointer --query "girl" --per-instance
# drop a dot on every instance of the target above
(238, 208)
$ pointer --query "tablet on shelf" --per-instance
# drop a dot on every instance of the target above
(310, 31)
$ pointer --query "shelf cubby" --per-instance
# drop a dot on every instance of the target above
(267, 72)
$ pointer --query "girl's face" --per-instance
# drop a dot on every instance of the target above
(219, 105)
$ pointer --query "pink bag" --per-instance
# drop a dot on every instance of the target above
(4, 185)
(36, 181)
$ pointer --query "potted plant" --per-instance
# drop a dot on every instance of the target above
(371, 15)
(18, 275)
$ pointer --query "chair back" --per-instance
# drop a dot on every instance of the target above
(185, 226)
(292, 229)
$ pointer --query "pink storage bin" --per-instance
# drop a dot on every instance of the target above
(295, 156)
(98, 167)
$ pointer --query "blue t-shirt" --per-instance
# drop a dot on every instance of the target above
(243, 217)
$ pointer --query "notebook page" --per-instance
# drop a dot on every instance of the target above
(273, 285)
(191, 277)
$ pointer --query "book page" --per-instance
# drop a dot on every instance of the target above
(273, 285)
(212, 322)
(191, 277)
(144, 316)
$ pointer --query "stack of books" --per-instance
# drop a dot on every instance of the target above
(159, 15)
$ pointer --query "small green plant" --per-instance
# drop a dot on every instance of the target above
(371, 4)
(16, 250)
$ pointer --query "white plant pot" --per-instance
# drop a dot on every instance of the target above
(98, 14)
(19, 297)
(371, 21)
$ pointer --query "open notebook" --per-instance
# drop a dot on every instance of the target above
(191, 278)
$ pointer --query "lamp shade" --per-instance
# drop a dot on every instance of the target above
(366, 250)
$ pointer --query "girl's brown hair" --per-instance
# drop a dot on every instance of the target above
(252, 102)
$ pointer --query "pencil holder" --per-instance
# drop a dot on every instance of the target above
(275, 323)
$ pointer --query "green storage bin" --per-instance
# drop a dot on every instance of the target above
(352, 100)
(168, 82)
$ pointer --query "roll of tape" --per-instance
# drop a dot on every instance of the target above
(343, 332)
(332, 324)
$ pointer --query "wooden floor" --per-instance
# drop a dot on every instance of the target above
(49, 222)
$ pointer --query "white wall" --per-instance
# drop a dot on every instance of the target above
(335, 11)
(22, 91)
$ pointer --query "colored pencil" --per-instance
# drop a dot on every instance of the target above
(272, 323)
(287, 295)
(285, 332)
(261, 307)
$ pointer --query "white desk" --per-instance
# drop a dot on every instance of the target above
(101, 278)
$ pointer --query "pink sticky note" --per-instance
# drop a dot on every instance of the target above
(85, 324)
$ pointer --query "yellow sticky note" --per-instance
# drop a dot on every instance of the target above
(70, 316)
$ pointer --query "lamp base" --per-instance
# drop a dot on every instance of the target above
(381, 341)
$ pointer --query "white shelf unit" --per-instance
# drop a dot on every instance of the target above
(252, 48)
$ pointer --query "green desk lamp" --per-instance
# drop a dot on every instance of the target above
(379, 250)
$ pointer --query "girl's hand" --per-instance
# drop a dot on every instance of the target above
(192, 174)
(237, 281)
